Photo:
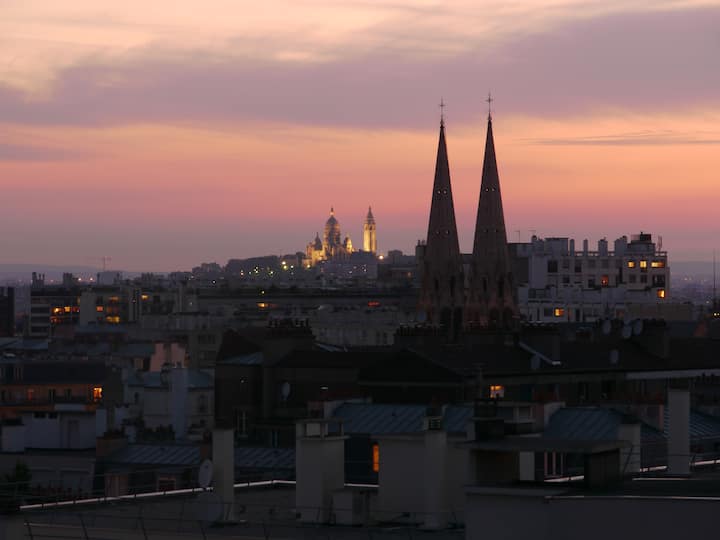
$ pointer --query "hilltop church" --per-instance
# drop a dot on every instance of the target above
(332, 248)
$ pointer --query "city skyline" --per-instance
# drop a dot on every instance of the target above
(165, 142)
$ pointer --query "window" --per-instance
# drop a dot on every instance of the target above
(376, 457)
(591, 263)
(633, 278)
(661, 293)
(497, 391)
(643, 279)
(643, 264)
(30, 394)
(97, 393)
(657, 264)
(559, 312)
(578, 267)
(566, 264)
(631, 264)
(68, 393)
(658, 281)
(552, 267)
(547, 312)
(51, 395)
(566, 280)
(591, 283)
(604, 263)
(605, 281)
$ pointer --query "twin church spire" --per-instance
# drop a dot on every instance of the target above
(485, 297)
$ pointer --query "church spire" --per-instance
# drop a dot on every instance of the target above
(441, 294)
(491, 295)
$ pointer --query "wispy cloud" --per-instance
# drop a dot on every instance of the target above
(631, 61)
(630, 139)
(15, 152)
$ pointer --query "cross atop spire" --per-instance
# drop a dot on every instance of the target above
(489, 101)
(442, 112)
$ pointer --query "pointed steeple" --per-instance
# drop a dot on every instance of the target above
(370, 216)
(441, 294)
(491, 296)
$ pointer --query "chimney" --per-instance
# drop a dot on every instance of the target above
(630, 430)
(678, 428)
(223, 458)
(110, 443)
(319, 467)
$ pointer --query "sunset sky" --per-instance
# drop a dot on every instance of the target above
(168, 133)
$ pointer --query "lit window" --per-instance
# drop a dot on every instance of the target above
(605, 281)
(643, 264)
(113, 319)
(99, 309)
(376, 457)
(97, 393)
(559, 312)
(67, 309)
(661, 293)
(144, 297)
(657, 264)
(631, 264)
(497, 391)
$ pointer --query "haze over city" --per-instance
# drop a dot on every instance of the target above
(163, 135)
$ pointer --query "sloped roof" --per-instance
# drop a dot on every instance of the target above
(702, 426)
(592, 424)
(264, 458)
(379, 419)
(157, 454)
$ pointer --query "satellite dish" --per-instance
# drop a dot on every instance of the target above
(421, 317)
(614, 356)
(285, 390)
(205, 473)
(606, 327)
(535, 362)
(637, 327)
(627, 331)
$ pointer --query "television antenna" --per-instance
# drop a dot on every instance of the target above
(205, 473)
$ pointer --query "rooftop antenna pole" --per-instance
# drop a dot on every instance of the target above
(715, 303)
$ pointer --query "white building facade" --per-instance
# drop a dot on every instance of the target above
(557, 283)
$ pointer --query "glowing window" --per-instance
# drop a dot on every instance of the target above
(604, 281)
(643, 264)
(657, 264)
(376, 457)
(631, 264)
(97, 393)
(99, 309)
(661, 293)
(559, 312)
(114, 319)
(67, 309)
(497, 391)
